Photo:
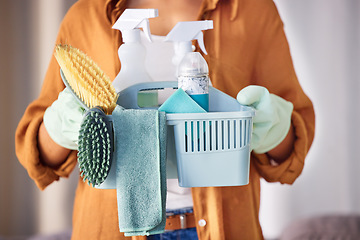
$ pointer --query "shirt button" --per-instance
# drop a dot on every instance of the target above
(202, 222)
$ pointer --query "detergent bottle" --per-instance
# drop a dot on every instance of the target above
(192, 70)
(132, 53)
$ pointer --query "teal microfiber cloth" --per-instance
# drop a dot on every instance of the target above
(180, 102)
(140, 142)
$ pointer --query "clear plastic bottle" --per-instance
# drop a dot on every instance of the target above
(193, 78)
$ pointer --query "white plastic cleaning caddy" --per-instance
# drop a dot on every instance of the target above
(209, 149)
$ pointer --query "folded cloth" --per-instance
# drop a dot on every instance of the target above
(140, 152)
(180, 102)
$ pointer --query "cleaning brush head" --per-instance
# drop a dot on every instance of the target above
(95, 146)
(85, 78)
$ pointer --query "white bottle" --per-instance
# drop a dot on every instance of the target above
(132, 52)
(192, 70)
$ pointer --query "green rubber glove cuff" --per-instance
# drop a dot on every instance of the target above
(272, 120)
(63, 118)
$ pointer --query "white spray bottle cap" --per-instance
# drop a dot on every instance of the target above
(130, 22)
(182, 35)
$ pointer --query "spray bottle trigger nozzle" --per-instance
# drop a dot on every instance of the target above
(132, 19)
(200, 40)
(146, 29)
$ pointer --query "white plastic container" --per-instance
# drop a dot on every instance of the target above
(132, 52)
(209, 149)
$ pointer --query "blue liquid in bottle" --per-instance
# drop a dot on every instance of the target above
(202, 100)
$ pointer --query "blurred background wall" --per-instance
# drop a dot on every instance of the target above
(324, 37)
(27, 34)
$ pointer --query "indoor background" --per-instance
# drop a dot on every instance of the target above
(324, 38)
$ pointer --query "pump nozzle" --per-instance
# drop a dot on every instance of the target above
(132, 19)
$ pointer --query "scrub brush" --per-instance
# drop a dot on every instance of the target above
(85, 78)
(95, 146)
(94, 90)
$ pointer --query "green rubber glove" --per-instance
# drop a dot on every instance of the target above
(272, 119)
(63, 118)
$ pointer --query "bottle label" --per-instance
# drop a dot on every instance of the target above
(194, 84)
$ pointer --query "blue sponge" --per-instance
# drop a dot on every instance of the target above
(180, 102)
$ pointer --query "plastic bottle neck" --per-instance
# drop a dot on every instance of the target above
(181, 49)
(132, 35)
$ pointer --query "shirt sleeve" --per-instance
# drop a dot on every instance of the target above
(92, 35)
(274, 70)
(26, 142)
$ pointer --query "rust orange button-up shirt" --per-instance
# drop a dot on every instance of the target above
(247, 46)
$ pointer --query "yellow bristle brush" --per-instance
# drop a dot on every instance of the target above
(85, 78)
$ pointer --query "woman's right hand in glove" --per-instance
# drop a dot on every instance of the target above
(58, 134)
(63, 119)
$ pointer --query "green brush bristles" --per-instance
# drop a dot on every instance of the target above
(95, 147)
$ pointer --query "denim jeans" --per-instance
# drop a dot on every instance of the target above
(181, 234)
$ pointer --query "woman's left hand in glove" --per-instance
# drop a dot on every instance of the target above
(272, 119)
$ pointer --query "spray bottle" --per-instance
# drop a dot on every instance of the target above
(132, 53)
(192, 70)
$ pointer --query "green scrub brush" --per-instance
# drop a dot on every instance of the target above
(95, 146)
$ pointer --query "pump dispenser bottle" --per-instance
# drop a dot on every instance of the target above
(192, 70)
(132, 52)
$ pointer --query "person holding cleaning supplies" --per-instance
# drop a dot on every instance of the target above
(248, 58)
